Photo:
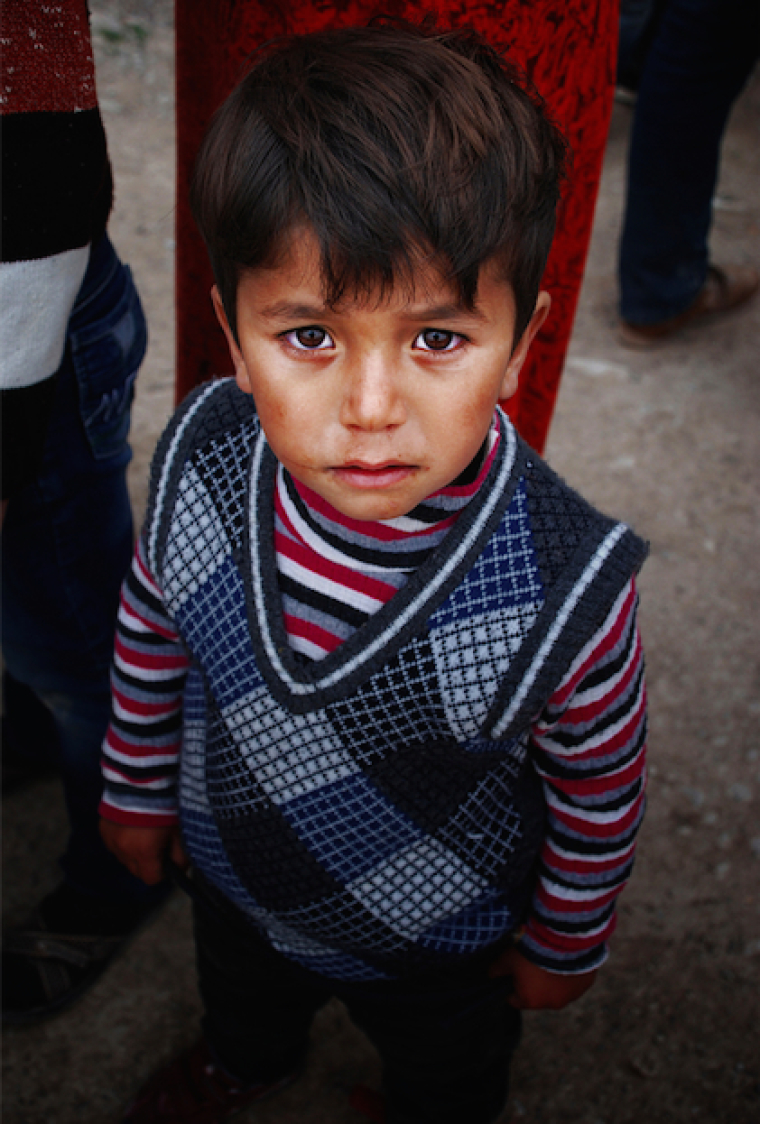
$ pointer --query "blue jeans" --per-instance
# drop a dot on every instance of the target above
(637, 20)
(702, 55)
(66, 545)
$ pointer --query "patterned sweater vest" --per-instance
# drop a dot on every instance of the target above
(374, 813)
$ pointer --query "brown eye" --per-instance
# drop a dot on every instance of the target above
(311, 337)
(436, 339)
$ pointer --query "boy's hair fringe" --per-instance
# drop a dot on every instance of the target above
(397, 145)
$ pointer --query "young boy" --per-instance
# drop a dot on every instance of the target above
(399, 654)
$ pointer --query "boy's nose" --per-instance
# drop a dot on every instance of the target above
(372, 399)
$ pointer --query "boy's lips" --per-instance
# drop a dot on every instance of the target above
(360, 474)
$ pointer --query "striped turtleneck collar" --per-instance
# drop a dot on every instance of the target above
(335, 572)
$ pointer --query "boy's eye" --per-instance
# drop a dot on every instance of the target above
(309, 339)
(436, 339)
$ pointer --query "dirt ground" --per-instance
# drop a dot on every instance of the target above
(669, 441)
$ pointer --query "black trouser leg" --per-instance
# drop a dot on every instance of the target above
(446, 1050)
(445, 1043)
(258, 1006)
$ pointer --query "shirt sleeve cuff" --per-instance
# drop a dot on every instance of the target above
(131, 818)
(564, 963)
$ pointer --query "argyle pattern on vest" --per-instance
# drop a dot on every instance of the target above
(373, 813)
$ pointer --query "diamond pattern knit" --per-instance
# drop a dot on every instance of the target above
(362, 811)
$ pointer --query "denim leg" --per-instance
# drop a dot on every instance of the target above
(29, 733)
(66, 545)
(701, 57)
(635, 19)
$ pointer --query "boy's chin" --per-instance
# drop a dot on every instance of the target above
(375, 510)
(354, 496)
(372, 507)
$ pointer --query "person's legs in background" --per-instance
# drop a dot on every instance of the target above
(638, 23)
(701, 56)
(66, 545)
(32, 751)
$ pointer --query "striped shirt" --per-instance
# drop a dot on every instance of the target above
(587, 745)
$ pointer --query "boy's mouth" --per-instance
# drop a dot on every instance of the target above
(362, 474)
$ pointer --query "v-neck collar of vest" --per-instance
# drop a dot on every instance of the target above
(306, 686)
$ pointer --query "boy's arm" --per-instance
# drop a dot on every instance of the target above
(588, 747)
(142, 745)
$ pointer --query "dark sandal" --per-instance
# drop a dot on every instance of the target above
(46, 966)
(66, 965)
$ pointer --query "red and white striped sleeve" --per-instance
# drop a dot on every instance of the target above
(589, 748)
(142, 745)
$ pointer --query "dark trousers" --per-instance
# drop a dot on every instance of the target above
(66, 545)
(701, 56)
(445, 1041)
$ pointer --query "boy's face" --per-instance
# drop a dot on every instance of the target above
(374, 405)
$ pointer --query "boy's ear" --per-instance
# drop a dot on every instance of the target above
(241, 372)
(520, 353)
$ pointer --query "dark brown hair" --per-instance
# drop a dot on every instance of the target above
(395, 144)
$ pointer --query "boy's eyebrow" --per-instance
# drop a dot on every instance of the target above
(443, 312)
(287, 310)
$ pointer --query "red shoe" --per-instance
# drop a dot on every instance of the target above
(368, 1103)
(193, 1089)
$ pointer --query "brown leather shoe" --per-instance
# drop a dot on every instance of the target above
(193, 1089)
(726, 288)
